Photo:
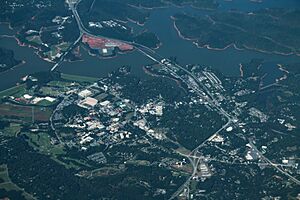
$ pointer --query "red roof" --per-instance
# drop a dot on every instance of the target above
(101, 43)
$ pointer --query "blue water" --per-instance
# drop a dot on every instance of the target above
(271, 71)
(226, 61)
(247, 5)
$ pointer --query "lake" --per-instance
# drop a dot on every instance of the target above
(227, 61)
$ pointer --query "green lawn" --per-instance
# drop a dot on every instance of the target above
(12, 130)
(58, 84)
(46, 103)
(63, 46)
(77, 78)
(35, 39)
(49, 91)
(16, 91)
(41, 141)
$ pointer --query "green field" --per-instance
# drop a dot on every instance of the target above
(46, 103)
(104, 171)
(60, 84)
(138, 162)
(12, 130)
(35, 39)
(48, 91)
(77, 78)
(42, 142)
(16, 91)
(63, 46)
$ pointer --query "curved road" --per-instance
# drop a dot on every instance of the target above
(153, 55)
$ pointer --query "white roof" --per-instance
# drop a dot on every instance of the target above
(85, 93)
(27, 96)
(249, 157)
(229, 129)
(51, 99)
(104, 103)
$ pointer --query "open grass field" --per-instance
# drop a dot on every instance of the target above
(42, 142)
(48, 91)
(46, 103)
(77, 78)
(59, 84)
(12, 130)
(16, 91)
(63, 46)
(35, 39)
(104, 171)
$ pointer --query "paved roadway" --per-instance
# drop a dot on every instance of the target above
(154, 56)
(151, 54)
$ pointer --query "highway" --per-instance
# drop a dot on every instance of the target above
(274, 165)
(72, 5)
(62, 57)
(154, 56)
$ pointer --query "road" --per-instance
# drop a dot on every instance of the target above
(72, 5)
(58, 108)
(83, 31)
(274, 165)
(62, 57)
(154, 56)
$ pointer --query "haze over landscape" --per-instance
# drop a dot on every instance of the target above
(139, 99)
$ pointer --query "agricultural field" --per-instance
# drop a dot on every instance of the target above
(25, 113)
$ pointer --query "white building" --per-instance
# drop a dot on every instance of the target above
(85, 93)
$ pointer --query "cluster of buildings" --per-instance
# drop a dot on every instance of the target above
(54, 49)
(152, 108)
(106, 23)
(143, 125)
(251, 153)
(19, 4)
(60, 20)
(86, 101)
(198, 80)
(258, 114)
(98, 157)
(104, 121)
(108, 116)
(213, 84)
